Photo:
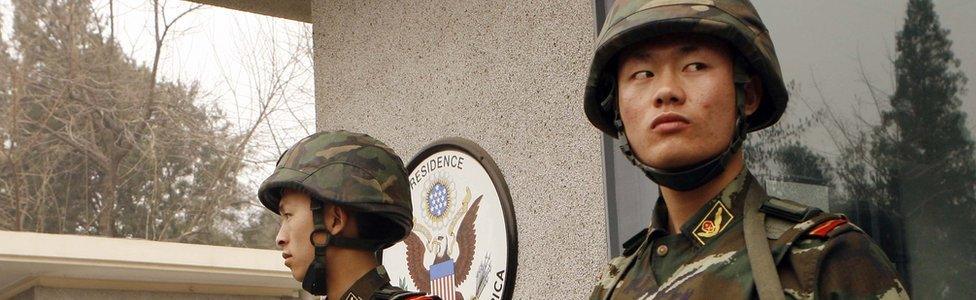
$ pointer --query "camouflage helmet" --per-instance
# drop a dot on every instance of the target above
(734, 21)
(348, 169)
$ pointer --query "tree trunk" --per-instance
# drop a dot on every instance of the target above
(110, 194)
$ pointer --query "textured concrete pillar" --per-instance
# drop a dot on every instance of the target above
(506, 74)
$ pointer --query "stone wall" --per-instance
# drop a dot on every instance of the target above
(508, 75)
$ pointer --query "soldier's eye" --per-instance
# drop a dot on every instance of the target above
(695, 67)
(643, 75)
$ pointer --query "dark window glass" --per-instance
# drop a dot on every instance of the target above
(878, 128)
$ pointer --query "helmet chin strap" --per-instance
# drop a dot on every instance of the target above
(698, 174)
(315, 277)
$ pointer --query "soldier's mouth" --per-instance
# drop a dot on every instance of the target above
(668, 118)
(286, 256)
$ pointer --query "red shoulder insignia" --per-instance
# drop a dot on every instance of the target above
(422, 297)
(825, 228)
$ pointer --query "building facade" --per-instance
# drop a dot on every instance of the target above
(509, 75)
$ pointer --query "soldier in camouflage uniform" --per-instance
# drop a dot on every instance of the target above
(343, 197)
(688, 79)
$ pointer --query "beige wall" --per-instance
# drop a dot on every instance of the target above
(506, 74)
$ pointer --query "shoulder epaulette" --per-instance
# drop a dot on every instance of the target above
(634, 242)
(789, 210)
(823, 230)
(783, 215)
(395, 293)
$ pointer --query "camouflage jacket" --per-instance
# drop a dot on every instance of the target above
(817, 256)
(375, 285)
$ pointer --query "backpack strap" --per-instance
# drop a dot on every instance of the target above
(768, 285)
(788, 222)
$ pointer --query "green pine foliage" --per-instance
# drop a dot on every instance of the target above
(924, 155)
(909, 181)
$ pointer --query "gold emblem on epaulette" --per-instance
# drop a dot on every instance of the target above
(716, 220)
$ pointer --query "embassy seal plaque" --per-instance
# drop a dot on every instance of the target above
(464, 241)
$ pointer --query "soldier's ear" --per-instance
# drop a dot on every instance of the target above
(336, 219)
(754, 93)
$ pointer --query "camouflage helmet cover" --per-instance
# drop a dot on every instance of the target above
(348, 169)
(735, 21)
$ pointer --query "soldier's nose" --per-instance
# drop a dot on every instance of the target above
(670, 93)
(280, 238)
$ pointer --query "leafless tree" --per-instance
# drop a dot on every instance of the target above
(95, 143)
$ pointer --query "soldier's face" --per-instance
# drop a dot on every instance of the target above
(293, 236)
(677, 99)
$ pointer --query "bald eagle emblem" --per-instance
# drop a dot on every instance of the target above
(440, 249)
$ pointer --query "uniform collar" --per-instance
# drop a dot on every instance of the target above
(713, 218)
(659, 219)
(364, 288)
